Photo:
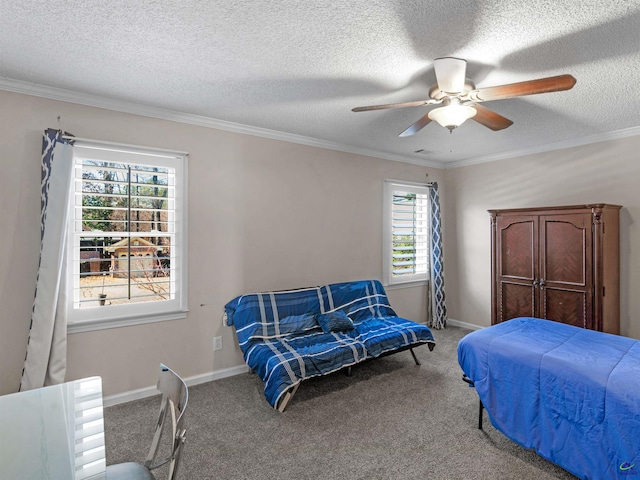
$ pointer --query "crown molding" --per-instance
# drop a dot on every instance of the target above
(575, 142)
(54, 93)
(64, 95)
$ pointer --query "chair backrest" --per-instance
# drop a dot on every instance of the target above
(175, 396)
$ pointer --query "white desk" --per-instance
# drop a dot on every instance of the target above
(53, 432)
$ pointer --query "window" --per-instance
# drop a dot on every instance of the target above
(126, 238)
(406, 232)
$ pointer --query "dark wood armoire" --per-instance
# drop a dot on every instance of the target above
(557, 263)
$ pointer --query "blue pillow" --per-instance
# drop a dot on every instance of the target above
(286, 326)
(334, 322)
(297, 323)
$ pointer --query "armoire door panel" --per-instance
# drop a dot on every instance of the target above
(516, 300)
(518, 245)
(566, 249)
(565, 306)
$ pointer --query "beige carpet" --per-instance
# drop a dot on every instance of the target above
(390, 420)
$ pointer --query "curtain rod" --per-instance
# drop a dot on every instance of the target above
(98, 143)
(409, 182)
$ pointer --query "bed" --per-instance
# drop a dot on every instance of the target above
(571, 394)
(289, 336)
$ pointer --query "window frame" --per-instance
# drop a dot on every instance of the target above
(387, 242)
(89, 319)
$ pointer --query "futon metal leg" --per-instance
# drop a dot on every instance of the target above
(414, 357)
(347, 371)
(287, 397)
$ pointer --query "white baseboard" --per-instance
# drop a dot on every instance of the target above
(458, 323)
(118, 398)
(131, 395)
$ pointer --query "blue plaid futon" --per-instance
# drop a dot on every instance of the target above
(283, 343)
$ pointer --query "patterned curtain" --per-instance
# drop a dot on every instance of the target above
(46, 358)
(438, 309)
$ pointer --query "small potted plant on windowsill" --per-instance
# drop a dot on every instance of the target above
(102, 297)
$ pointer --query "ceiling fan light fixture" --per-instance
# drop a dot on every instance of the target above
(452, 116)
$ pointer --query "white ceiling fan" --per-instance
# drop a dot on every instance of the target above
(460, 99)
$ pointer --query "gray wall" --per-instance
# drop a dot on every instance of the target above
(263, 214)
(606, 172)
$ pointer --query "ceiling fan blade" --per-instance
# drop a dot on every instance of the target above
(530, 87)
(450, 73)
(490, 119)
(416, 127)
(418, 103)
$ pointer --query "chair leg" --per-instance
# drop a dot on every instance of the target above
(414, 357)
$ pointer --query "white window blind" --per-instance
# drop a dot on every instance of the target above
(406, 233)
(88, 425)
(126, 234)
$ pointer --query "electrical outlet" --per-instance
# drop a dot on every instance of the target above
(217, 343)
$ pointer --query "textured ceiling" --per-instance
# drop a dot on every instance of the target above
(299, 67)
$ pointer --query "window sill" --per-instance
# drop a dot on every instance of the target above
(90, 326)
(398, 286)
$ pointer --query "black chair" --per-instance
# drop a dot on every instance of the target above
(175, 396)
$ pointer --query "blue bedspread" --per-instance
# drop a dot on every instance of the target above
(571, 394)
(283, 343)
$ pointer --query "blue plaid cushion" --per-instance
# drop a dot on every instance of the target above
(334, 322)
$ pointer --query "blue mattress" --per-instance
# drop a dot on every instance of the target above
(572, 395)
(282, 342)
